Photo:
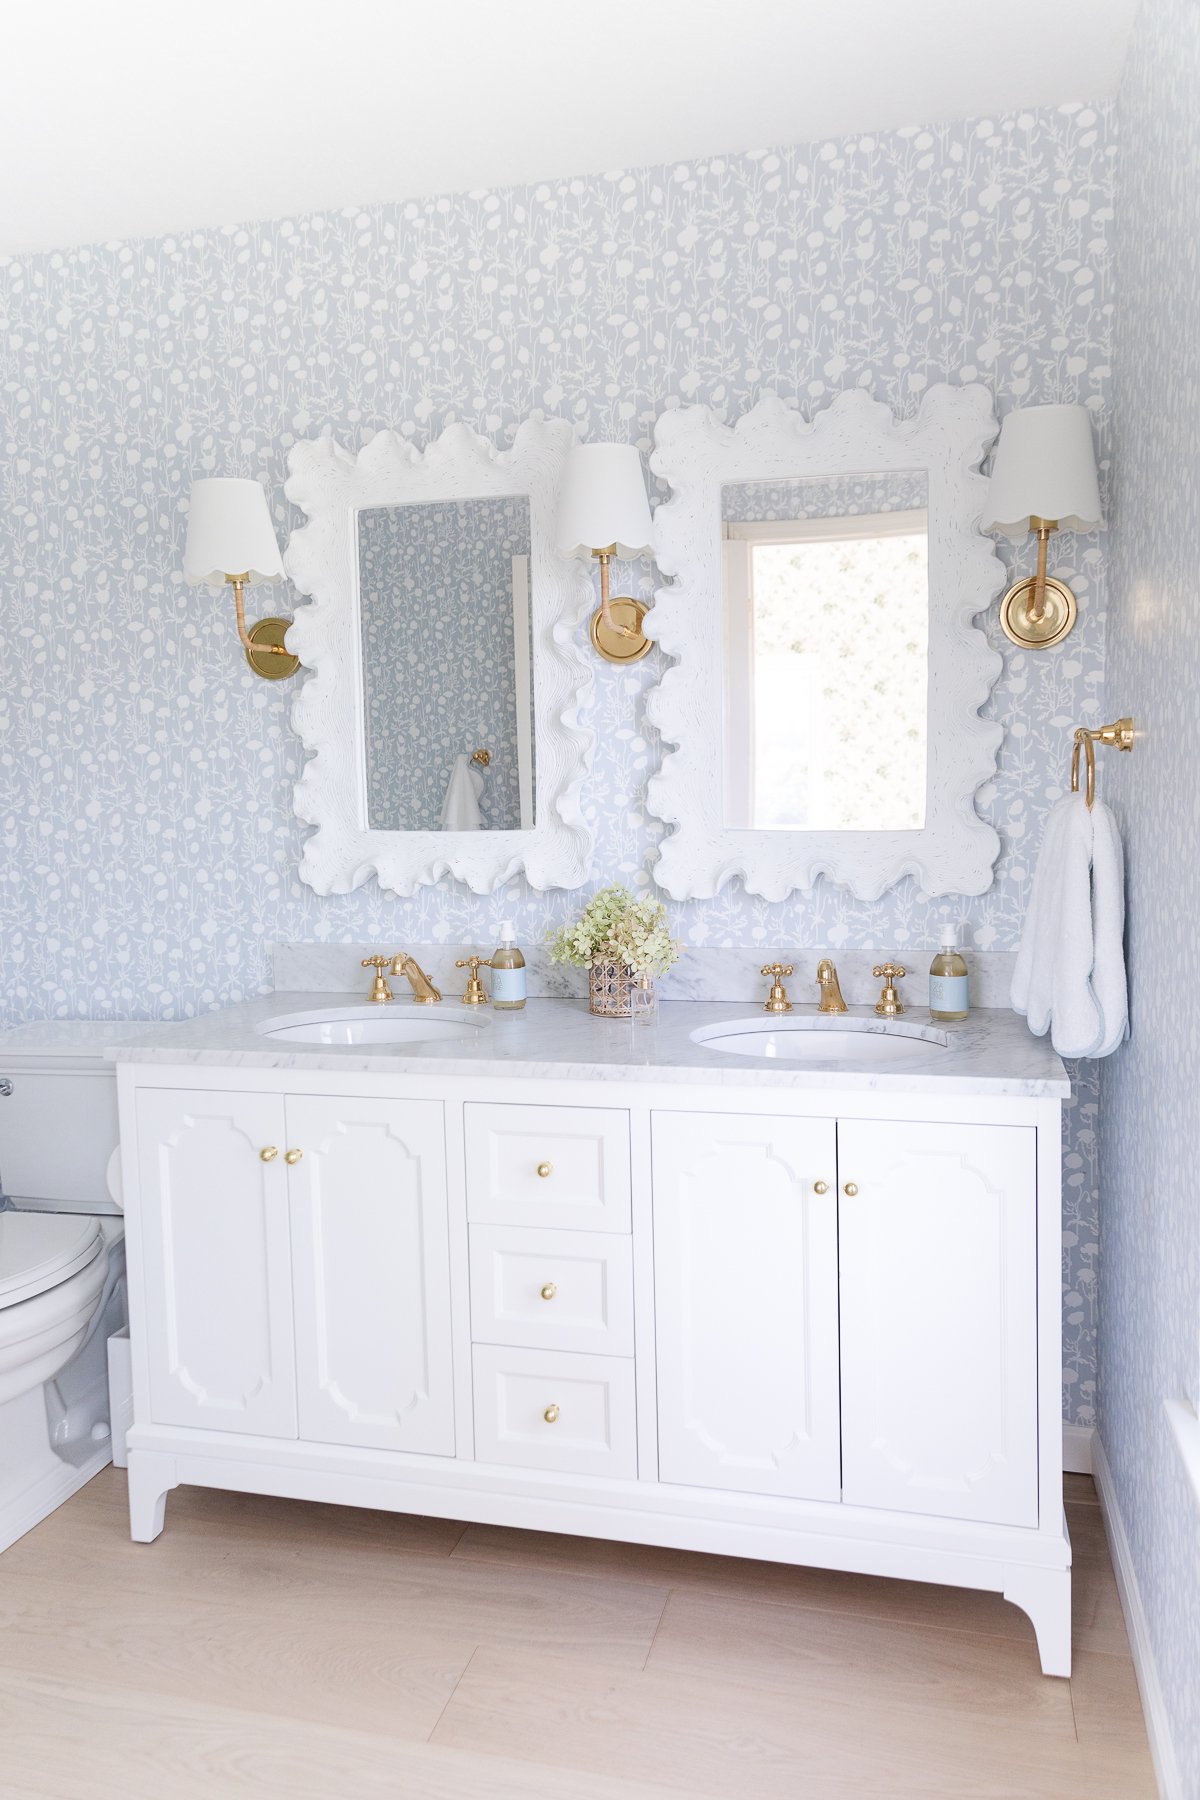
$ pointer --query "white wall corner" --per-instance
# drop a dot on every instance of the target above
(1158, 1724)
(1077, 1449)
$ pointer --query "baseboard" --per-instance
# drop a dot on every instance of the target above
(1077, 1449)
(1158, 1725)
(46, 1494)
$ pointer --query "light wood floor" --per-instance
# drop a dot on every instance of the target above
(269, 1647)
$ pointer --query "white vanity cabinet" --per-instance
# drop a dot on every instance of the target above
(790, 1321)
(746, 1303)
(295, 1268)
(216, 1260)
(939, 1319)
(371, 1273)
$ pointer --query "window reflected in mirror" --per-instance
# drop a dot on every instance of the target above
(447, 665)
(826, 608)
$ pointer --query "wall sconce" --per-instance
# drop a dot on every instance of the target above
(231, 542)
(1043, 480)
(603, 512)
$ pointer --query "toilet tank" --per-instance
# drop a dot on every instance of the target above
(58, 1132)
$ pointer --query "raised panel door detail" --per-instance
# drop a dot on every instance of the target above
(372, 1273)
(745, 1285)
(559, 1167)
(939, 1319)
(216, 1261)
(551, 1409)
(562, 1290)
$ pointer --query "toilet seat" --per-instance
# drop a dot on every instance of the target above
(40, 1250)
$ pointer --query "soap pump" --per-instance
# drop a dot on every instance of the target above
(949, 993)
(508, 972)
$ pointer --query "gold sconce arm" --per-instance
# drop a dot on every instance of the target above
(606, 613)
(1037, 603)
(616, 627)
(263, 643)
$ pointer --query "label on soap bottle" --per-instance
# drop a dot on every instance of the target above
(508, 987)
(949, 994)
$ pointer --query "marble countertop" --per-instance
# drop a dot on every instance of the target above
(993, 1052)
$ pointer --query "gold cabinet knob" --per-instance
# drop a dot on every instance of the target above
(269, 1153)
(549, 1291)
(292, 1156)
(545, 1169)
(820, 1187)
(551, 1415)
(850, 1189)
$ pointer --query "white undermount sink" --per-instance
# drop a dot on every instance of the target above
(817, 1038)
(399, 1022)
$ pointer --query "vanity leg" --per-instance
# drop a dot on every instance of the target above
(151, 1478)
(1045, 1594)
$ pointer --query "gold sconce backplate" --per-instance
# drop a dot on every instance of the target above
(265, 662)
(1059, 611)
(609, 644)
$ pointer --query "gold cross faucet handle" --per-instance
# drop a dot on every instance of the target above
(889, 1004)
(380, 991)
(777, 1000)
(475, 994)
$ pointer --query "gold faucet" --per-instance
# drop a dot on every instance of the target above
(889, 1004)
(424, 992)
(831, 992)
(402, 963)
(777, 1000)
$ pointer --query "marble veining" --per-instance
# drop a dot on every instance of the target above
(990, 1053)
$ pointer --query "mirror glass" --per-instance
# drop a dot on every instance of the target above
(447, 665)
(826, 614)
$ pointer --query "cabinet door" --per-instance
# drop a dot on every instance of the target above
(939, 1319)
(216, 1261)
(745, 1284)
(372, 1273)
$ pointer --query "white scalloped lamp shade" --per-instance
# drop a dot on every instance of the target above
(230, 533)
(603, 501)
(1044, 468)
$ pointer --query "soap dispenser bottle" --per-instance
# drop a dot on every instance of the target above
(949, 997)
(508, 972)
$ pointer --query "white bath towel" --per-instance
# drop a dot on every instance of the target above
(460, 808)
(1070, 973)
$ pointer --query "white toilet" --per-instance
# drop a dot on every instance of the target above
(62, 1280)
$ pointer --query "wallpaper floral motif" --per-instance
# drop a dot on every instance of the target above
(439, 677)
(146, 775)
(900, 491)
(1150, 1098)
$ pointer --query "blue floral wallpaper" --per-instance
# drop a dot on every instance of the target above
(439, 675)
(146, 775)
(903, 491)
(1150, 1101)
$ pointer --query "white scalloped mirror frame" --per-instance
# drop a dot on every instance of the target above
(332, 486)
(697, 455)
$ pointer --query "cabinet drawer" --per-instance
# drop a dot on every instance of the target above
(553, 1290)
(565, 1167)
(592, 1427)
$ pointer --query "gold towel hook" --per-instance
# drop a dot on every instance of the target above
(1118, 735)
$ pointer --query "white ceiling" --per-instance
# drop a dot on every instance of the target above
(144, 116)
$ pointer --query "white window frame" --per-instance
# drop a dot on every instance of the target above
(697, 455)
